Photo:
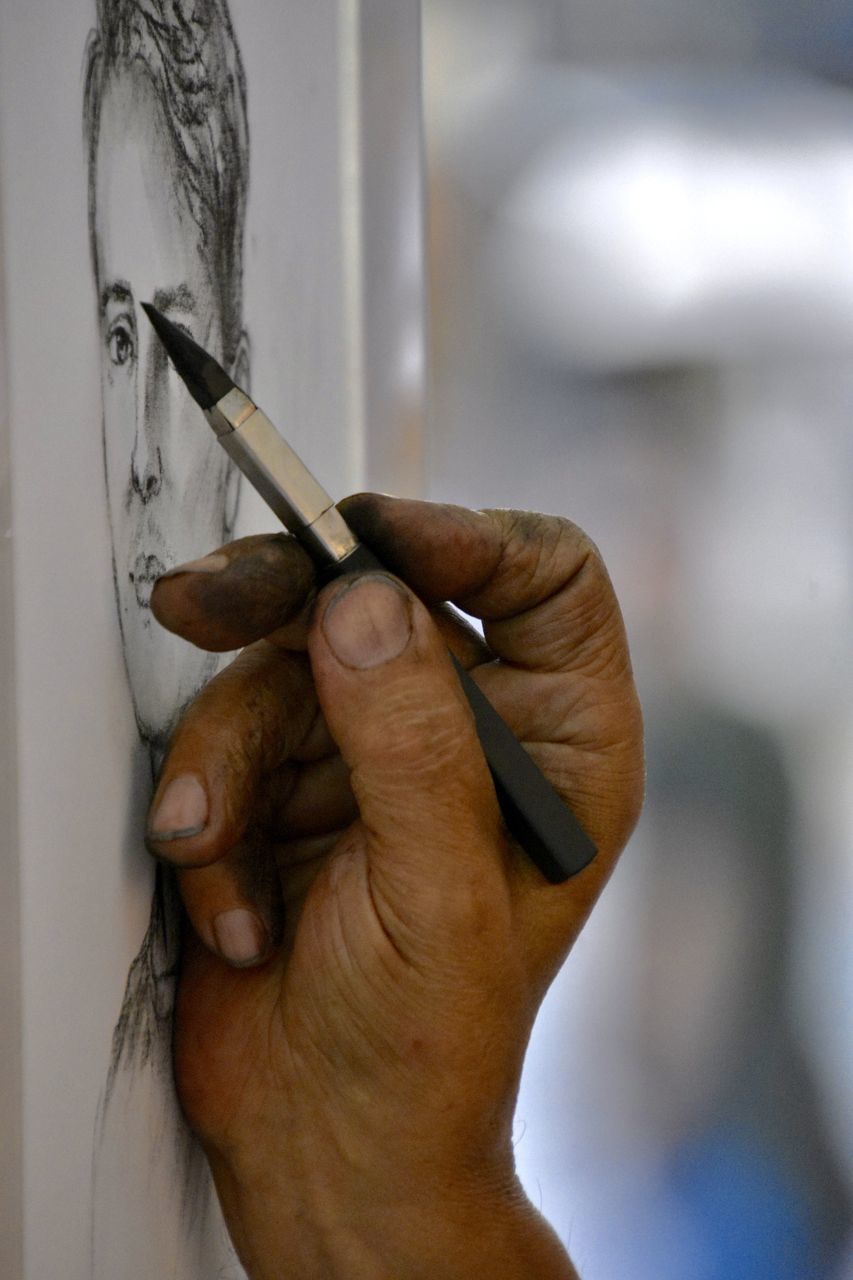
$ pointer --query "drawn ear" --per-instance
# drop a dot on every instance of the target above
(241, 372)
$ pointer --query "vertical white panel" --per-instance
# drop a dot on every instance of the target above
(332, 306)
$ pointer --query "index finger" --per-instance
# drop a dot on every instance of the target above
(245, 591)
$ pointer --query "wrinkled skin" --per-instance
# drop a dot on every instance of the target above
(354, 1086)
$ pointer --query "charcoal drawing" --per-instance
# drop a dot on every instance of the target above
(167, 146)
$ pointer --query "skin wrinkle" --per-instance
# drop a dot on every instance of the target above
(392, 957)
(564, 634)
(381, 913)
(413, 724)
(511, 570)
(511, 565)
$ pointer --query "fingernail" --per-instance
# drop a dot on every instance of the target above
(241, 938)
(209, 564)
(182, 810)
(369, 623)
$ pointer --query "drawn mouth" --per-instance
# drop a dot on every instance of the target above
(145, 572)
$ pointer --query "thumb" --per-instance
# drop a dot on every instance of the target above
(395, 707)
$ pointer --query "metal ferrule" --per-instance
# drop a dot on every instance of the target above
(281, 478)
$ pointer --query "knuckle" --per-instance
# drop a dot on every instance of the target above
(422, 767)
(430, 739)
(540, 554)
(593, 622)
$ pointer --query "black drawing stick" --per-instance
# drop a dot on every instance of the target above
(534, 814)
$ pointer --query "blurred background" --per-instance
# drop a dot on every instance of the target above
(641, 225)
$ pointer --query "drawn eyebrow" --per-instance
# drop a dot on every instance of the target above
(116, 291)
(181, 298)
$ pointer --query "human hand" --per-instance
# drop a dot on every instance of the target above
(354, 1085)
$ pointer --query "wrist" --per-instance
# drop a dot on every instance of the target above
(493, 1233)
(460, 1230)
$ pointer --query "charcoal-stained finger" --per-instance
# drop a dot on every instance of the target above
(441, 551)
(245, 591)
(240, 731)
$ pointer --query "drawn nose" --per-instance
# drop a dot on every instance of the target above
(146, 464)
(148, 484)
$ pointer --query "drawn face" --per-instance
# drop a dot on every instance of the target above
(167, 479)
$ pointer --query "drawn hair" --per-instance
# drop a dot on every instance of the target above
(188, 50)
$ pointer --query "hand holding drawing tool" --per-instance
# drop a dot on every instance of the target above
(534, 813)
(337, 839)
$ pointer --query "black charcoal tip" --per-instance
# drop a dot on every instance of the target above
(206, 381)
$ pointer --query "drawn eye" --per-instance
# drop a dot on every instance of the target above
(120, 343)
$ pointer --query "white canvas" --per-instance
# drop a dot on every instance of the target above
(331, 307)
